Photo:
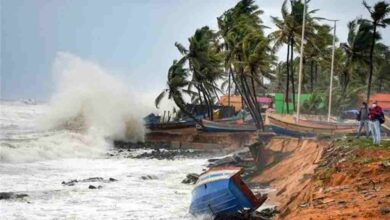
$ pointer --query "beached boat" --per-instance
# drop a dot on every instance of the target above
(171, 125)
(214, 126)
(309, 128)
(221, 191)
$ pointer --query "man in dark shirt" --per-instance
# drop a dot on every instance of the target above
(363, 119)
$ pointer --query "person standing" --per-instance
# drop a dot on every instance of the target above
(363, 120)
(374, 114)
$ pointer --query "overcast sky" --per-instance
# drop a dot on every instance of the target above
(134, 39)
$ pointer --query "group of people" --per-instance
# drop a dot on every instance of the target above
(371, 119)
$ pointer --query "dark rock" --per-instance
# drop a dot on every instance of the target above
(269, 212)
(139, 145)
(69, 183)
(11, 195)
(20, 196)
(93, 179)
(384, 211)
(158, 154)
(191, 178)
(149, 177)
(6, 195)
(91, 187)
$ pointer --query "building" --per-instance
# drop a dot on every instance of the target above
(383, 100)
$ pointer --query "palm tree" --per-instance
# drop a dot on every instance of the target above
(246, 52)
(357, 49)
(205, 64)
(318, 50)
(383, 68)
(289, 32)
(378, 15)
(176, 84)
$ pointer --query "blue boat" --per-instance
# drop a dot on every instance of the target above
(221, 191)
(283, 131)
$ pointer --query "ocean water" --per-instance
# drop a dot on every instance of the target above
(35, 160)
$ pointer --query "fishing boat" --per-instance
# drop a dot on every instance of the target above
(327, 124)
(214, 126)
(221, 191)
(171, 125)
(308, 128)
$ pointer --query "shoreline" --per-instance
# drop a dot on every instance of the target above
(291, 168)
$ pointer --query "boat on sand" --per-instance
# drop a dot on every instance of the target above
(309, 128)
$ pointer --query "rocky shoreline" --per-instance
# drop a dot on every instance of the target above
(162, 151)
(159, 151)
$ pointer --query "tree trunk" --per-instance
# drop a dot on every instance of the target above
(208, 102)
(246, 98)
(279, 86)
(287, 77)
(258, 107)
(312, 76)
(292, 72)
(180, 103)
(200, 97)
(316, 73)
(216, 95)
(229, 89)
(250, 102)
(371, 63)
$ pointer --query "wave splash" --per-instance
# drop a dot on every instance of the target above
(89, 109)
(90, 99)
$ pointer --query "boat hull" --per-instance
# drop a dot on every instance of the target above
(222, 194)
(210, 126)
(286, 132)
(308, 129)
(171, 125)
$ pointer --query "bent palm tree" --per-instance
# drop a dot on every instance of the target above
(246, 52)
(177, 81)
(378, 15)
(205, 64)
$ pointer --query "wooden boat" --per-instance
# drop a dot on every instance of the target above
(309, 128)
(171, 125)
(326, 124)
(213, 126)
(221, 191)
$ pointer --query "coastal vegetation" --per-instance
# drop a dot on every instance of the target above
(240, 59)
